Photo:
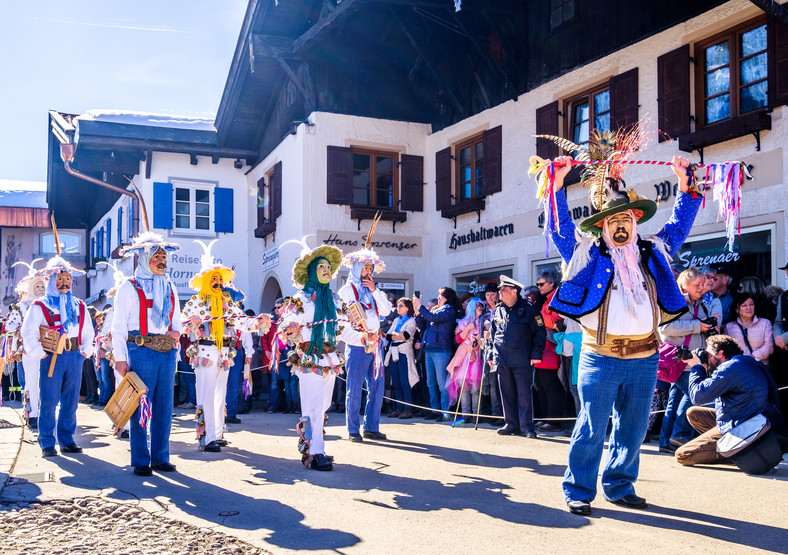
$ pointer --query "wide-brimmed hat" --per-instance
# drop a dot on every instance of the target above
(208, 267)
(366, 256)
(147, 241)
(58, 264)
(301, 267)
(643, 208)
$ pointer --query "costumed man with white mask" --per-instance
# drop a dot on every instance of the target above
(310, 323)
(214, 319)
(618, 285)
(364, 354)
(146, 325)
(29, 288)
(62, 321)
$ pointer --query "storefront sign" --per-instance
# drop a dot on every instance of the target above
(384, 245)
(484, 234)
(391, 286)
(751, 255)
(271, 258)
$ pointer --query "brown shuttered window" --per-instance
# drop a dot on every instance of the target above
(547, 124)
(340, 175)
(673, 93)
(778, 62)
(443, 178)
(624, 99)
(276, 192)
(261, 201)
(493, 144)
(412, 192)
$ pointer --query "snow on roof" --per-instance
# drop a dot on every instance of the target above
(149, 119)
(23, 194)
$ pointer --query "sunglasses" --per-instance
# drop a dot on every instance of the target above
(711, 277)
(540, 284)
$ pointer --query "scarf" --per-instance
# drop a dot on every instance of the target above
(216, 301)
(154, 286)
(354, 277)
(66, 304)
(627, 276)
(401, 322)
(325, 309)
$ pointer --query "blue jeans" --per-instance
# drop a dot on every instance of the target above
(235, 380)
(62, 387)
(435, 363)
(360, 367)
(675, 423)
(626, 386)
(105, 379)
(157, 371)
(400, 383)
(188, 381)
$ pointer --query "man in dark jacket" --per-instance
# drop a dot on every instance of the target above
(518, 337)
(740, 388)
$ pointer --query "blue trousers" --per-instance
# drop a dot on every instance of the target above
(625, 386)
(675, 423)
(63, 388)
(235, 380)
(360, 368)
(516, 385)
(435, 363)
(157, 371)
(105, 379)
(188, 381)
(400, 383)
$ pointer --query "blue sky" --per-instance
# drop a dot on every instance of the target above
(163, 56)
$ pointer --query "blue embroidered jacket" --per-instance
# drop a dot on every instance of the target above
(583, 293)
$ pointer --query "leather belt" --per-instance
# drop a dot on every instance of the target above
(304, 347)
(160, 343)
(228, 341)
(72, 344)
(628, 346)
(618, 346)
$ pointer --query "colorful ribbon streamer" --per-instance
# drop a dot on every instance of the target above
(145, 411)
(246, 388)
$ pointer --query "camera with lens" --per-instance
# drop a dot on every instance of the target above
(684, 353)
(702, 355)
(713, 330)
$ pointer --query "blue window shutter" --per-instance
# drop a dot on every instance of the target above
(100, 242)
(120, 225)
(131, 219)
(92, 249)
(223, 210)
(109, 236)
(162, 205)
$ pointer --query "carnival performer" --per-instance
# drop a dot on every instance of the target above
(146, 325)
(214, 319)
(58, 319)
(620, 289)
(29, 288)
(465, 368)
(364, 354)
(310, 322)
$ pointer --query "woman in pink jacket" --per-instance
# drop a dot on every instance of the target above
(753, 334)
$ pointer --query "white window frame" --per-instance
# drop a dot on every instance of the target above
(193, 186)
(538, 265)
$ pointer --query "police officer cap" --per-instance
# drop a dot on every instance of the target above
(506, 281)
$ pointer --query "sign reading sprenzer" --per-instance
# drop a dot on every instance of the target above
(386, 245)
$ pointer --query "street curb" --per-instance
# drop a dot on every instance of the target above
(10, 442)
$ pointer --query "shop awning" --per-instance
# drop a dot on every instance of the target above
(11, 216)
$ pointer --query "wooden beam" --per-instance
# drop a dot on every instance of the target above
(307, 94)
(148, 163)
(269, 46)
(341, 11)
(772, 8)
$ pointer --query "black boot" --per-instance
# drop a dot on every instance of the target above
(320, 462)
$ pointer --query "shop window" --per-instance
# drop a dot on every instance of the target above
(475, 282)
(69, 243)
(561, 11)
(269, 201)
(375, 180)
(194, 208)
(467, 172)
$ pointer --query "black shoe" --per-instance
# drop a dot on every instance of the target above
(124, 434)
(221, 442)
(163, 467)
(73, 448)
(530, 435)
(368, 434)
(355, 438)
(330, 458)
(579, 507)
(231, 420)
(213, 447)
(49, 452)
(32, 423)
(320, 462)
(143, 471)
(670, 449)
(432, 416)
(507, 431)
(632, 501)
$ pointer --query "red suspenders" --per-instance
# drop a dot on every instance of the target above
(51, 317)
(145, 304)
(355, 292)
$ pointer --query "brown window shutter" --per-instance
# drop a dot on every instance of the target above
(443, 178)
(412, 187)
(276, 192)
(624, 99)
(673, 93)
(778, 62)
(260, 197)
(492, 160)
(340, 175)
(547, 124)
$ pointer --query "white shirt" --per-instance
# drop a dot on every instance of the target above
(126, 318)
(34, 318)
(619, 321)
(348, 296)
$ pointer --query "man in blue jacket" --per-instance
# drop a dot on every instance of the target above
(740, 387)
(620, 288)
(518, 336)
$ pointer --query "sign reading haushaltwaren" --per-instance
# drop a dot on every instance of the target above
(386, 245)
(484, 234)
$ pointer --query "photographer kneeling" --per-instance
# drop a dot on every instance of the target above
(740, 386)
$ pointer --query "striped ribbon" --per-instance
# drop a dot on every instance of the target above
(246, 388)
(145, 411)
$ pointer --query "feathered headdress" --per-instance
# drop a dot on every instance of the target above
(208, 265)
(146, 240)
(367, 255)
(24, 288)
